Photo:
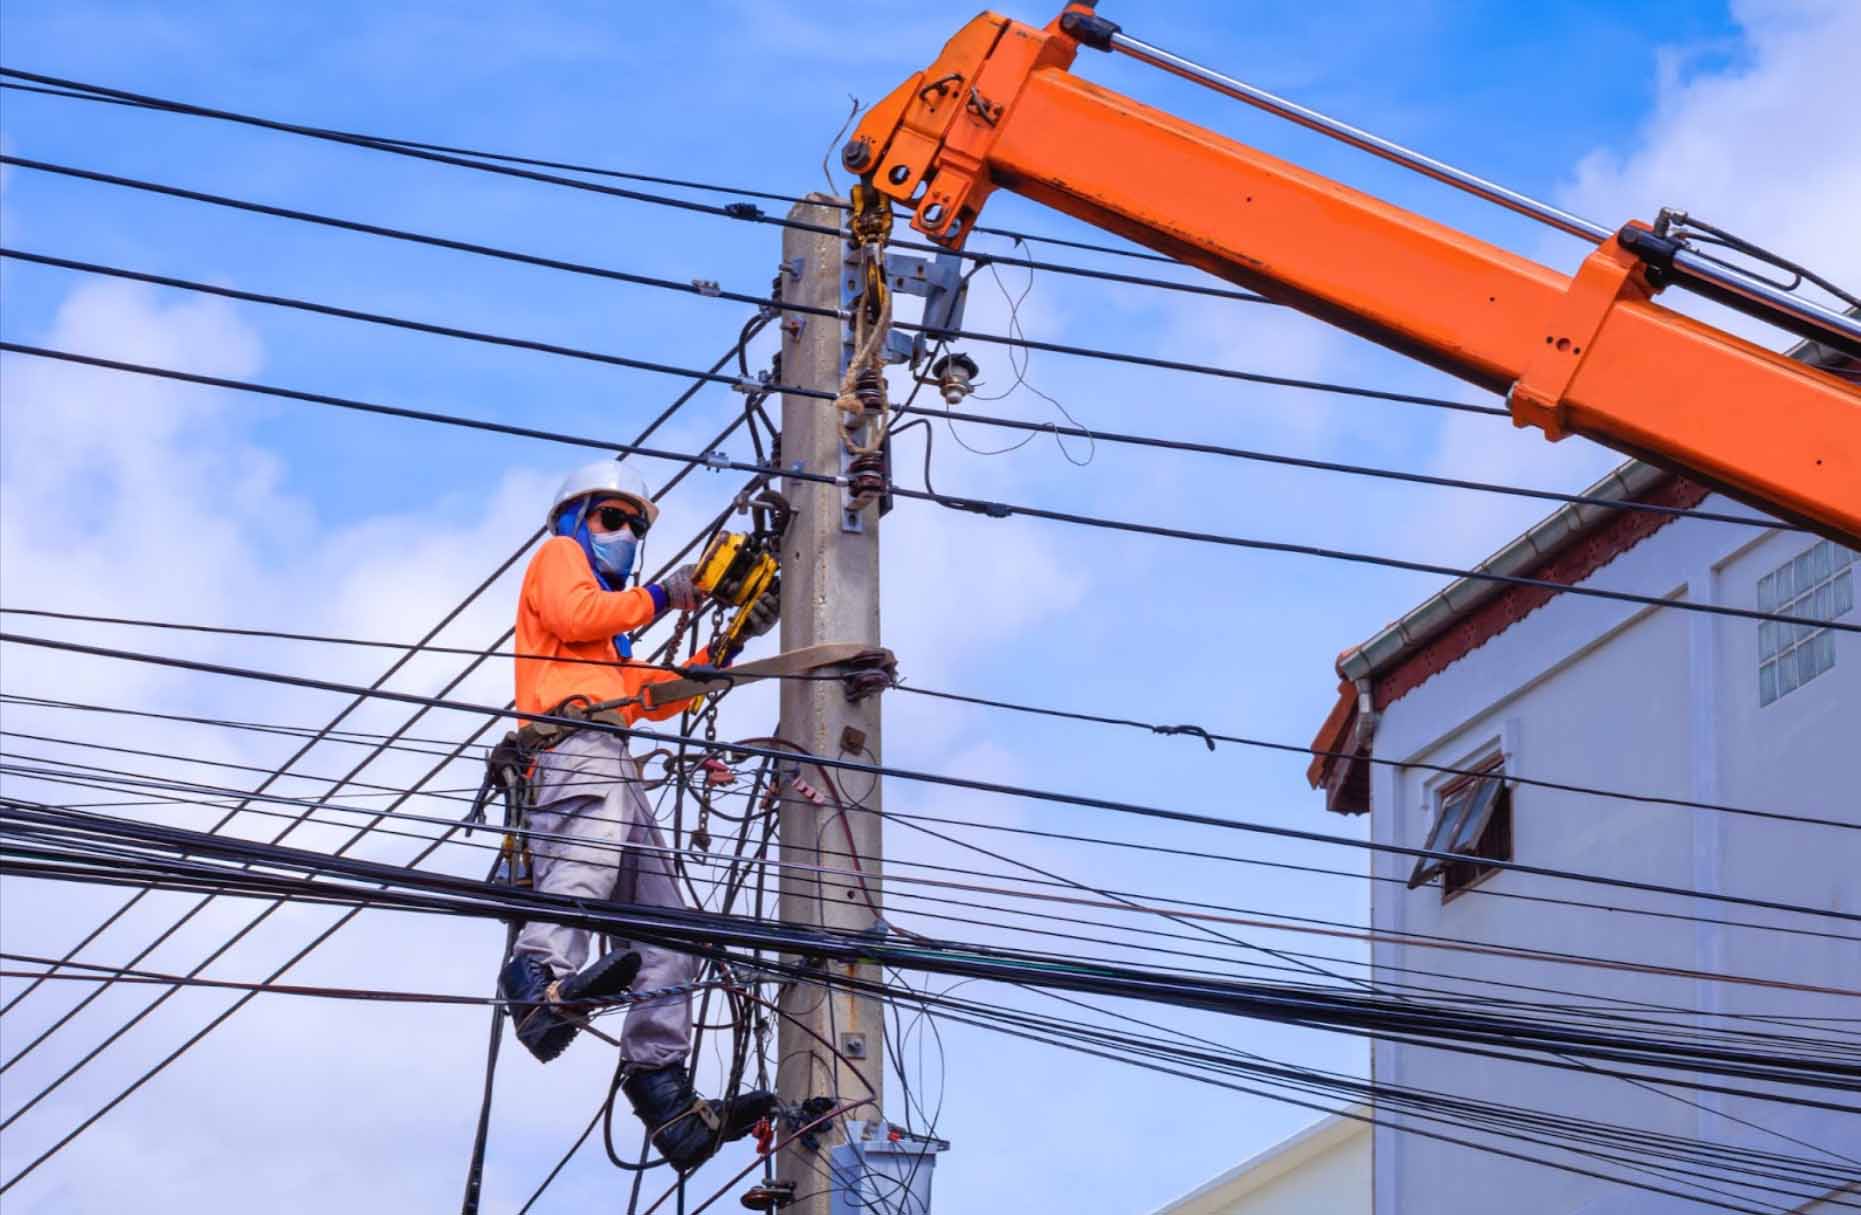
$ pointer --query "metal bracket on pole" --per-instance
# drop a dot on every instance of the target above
(939, 280)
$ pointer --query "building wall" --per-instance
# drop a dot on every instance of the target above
(1323, 1170)
(1618, 696)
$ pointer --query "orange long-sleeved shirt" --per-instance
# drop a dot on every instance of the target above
(562, 612)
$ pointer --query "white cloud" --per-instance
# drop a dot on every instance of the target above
(130, 496)
(1765, 145)
(1744, 136)
(119, 494)
(140, 497)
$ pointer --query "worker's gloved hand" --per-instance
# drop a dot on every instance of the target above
(681, 591)
(763, 614)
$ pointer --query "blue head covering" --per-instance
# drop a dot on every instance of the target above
(572, 521)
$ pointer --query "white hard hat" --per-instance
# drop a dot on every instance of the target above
(603, 477)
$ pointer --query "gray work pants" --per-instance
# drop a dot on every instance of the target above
(588, 788)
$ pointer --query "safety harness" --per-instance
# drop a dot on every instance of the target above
(510, 772)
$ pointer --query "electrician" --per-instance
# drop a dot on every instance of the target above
(575, 605)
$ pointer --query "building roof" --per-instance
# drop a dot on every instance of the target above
(1222, 1191)
(1566, 547)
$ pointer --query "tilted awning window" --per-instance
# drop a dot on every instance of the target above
(1465, 811)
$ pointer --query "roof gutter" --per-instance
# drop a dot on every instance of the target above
(1398, 640)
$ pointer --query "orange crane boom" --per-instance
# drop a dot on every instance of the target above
(1590, 354)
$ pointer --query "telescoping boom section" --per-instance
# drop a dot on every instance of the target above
(1591, 354)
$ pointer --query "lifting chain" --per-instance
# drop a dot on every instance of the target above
(699, 779)
(862, 398)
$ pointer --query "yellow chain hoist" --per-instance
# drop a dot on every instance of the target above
(738, 568)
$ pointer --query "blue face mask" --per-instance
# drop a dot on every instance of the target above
(613, 554)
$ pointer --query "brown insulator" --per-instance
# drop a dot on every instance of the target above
(869, 388)
(865, 478)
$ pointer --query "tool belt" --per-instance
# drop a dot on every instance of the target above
(510, 767)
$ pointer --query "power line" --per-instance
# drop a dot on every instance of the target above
(1360, 470)
(975, 419)
(167, 1060)
(1198, 915)
(1211, 737)
(749, 330)
(907, 818)
(1125, 1046)
(665, 414)
(1381, 1096)
(124, 974)
(736, 211)
(877, 770)
(1188, 919)
(620, 175)
(689, 288)
(987, 702)
(354, 839)
(993, 509)
(49, 842)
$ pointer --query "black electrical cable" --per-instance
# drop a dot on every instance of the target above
(1588, 1011)
(127, 974)
(154, 1070)
(1120, 1050)
(1781, 1041)
(1780, 1045)
(364, 643)
(1286, 987)
(709, 934)
(357, 837)
(347, 641)
(736, 211)
(1046, 711)
(943, 334)
(354, 839)
(195, 788)
(750, 330)
(1359, 470)
(159, 1066)
(1385, 1094)
(945, 779)
(648, 178)
(1819, 1043)
(993, 509)
(464, 794)
(612, 360)
(1206, 929)
(907, 408)
(291, 801)
(1212, 737)
(1050, 961)
(1125, 1042)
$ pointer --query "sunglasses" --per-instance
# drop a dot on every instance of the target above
(613, 518)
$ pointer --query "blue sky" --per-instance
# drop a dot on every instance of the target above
(225, 510)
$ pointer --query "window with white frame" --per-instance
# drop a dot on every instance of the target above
(1816, 584)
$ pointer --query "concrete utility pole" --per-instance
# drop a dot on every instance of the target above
(830, 593)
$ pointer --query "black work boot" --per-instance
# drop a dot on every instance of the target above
(686, 1128)
(543, 1025)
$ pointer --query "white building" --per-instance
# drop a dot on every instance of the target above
(1523, 682)
(1322, 1170)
